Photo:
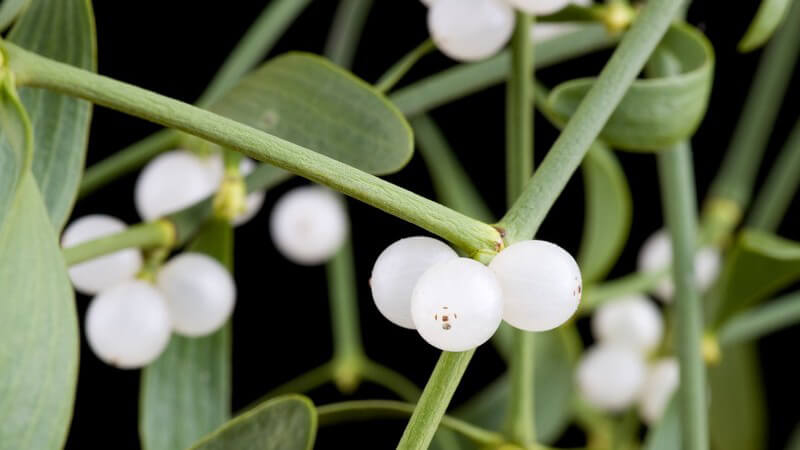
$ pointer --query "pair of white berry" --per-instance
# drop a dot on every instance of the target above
(129, 321)
(471, 30)
(457, 304)
(177, 179)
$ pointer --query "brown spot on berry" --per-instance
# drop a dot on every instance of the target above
(446, 326)
(445, 318)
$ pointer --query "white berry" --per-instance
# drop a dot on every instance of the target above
(93, 276)
(470, 30)
(170, 182)
(610, 376)
(634, 321)
(541, 284)
(128, 325)
(397, 270)
(656, 254)
(427, 2)
(544, 31)
(199, 291)
(457, 305)
(309, 224)
(661, 382)
(539, 7)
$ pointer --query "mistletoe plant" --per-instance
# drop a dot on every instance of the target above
(163, 291)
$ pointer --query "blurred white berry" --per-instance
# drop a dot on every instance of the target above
(309, 224)
(199, 291)
(253, 201)
(610, 376)
(457, 304)
(543, 31)
(662, 380)
(427, 2)
(397, 270)
(633, 321)
(656, 254)
(170, 182)
(470, 30)
(128, 325)
(541, 284)
(539, 7)
(93, 276)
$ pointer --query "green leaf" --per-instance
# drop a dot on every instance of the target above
(310, 101)
(768, 18)
(186, 393)
(16, 142)
(9, 10)
(794, 440)
(666, 434)
(759, 264)
(608, 216)
(657, 112)
(38, 328)
(61, 30)
(553, 391)
(737, 410)
(284, 423)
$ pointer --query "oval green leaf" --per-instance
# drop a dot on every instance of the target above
(608, 216)
(186, 393)
(284, 423)
(657, 112)
(9, 10)
(38, 328)
(312, 102)
(62, 30)
(768, 18)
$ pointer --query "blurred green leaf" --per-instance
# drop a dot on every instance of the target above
(657, 112)
(62, 30)
(737, 410)
(310, 101)
(186, 393)
(284, 423)
(9, 10)
(666, 434)
(794, 440)
(38, 328)
(768, 18)
(609, 211)
(758, 265)
(16, 146)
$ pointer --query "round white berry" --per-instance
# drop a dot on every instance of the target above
(309, 224)
(656, 254)
(397, 270)
(93, 276)
(634, 321)
(610, 376)
(541, 284)
(199, 291)
(170, 182)
(662, 380)
(128, 325)
(470, 30)
(539, 7)
(457, 305)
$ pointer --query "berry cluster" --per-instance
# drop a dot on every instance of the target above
(457, 304)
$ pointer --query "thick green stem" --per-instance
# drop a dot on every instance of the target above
(635, 283)
(345, 32)
(519, 166)
(761, 320)
(780, 186)
(434, 400)
(383, 376)
(736, 177)
(678, 197)
(476, 238)
(400, 68)
(563, 159)
(160, 233)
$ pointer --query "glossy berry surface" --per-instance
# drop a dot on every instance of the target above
(634, 321)
(610, 376)
(170, 182)
(470, 30)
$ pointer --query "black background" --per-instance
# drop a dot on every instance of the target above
(281, 319)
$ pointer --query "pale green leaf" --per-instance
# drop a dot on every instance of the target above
(608, 216)
(186, 393)
(9, 10)
(656, 112)
(310, 101)
(38, 329)
(794, 440)
(284, 423)
(768, 18)
(16, 147)
(62, 30)
(666, 434)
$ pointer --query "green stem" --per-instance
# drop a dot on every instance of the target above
(345, 32)
(160, 233)
(519, 165)
(476, 238)
(634, 283)
(358, 410)
(678, 197)
(780, 186)
(736, 177)
(761, 320)
(434, 400)
(383, 376)
(306, 382)
(400, 68)
(563, 159)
